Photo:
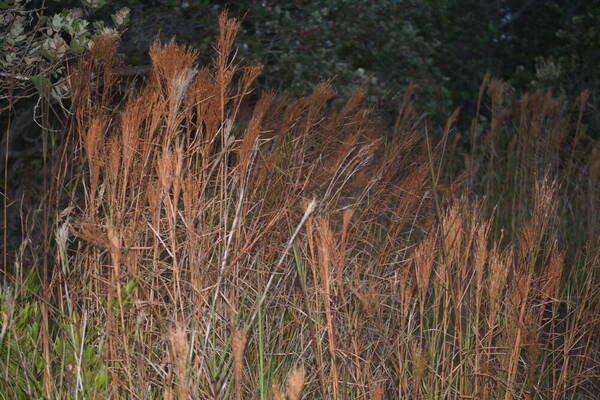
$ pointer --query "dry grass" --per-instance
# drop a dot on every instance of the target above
(219, 255)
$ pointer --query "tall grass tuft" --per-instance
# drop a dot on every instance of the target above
(203, 248)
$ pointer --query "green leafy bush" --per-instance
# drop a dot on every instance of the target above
(34, 47)
(74, 348)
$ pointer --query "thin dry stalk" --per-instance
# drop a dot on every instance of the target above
(419, 367)
(326, 253)
(179, 356)
(295, 384)
(423, 261)
(552, 274)
(238, 345)
(277, 393)
(376, 390)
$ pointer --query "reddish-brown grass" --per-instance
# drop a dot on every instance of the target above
(216, 248)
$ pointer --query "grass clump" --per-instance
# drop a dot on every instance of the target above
(202, 248)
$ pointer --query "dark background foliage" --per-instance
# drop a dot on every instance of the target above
(445, 46)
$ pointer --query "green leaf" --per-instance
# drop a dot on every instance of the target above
(130, 286)
(100, 380)
(40, 83)
(76, 46)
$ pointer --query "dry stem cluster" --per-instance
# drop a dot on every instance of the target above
(293, 251)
